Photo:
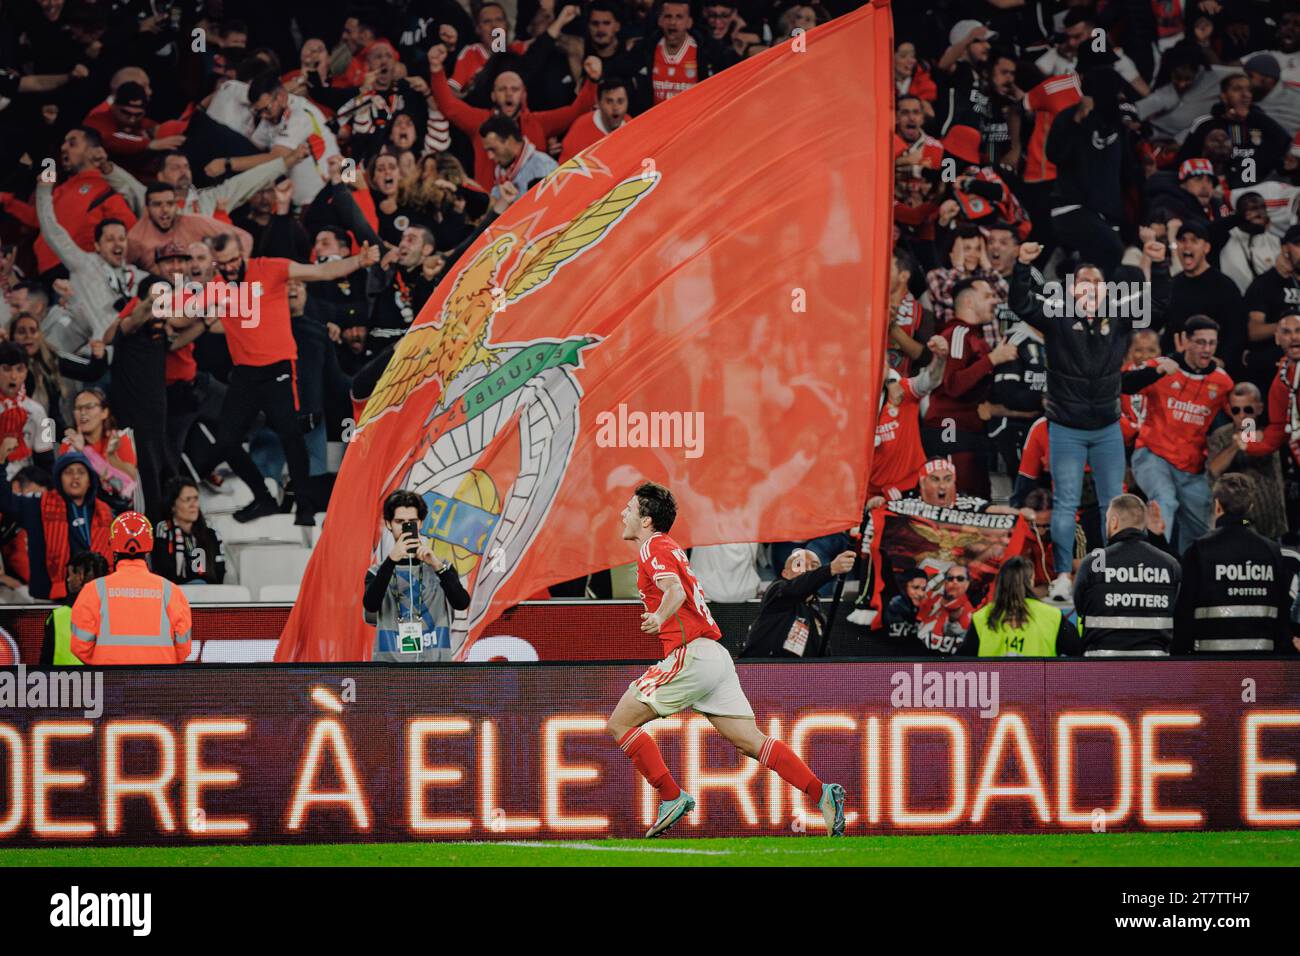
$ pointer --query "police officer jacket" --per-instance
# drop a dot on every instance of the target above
(1236, 594)
(1125, 595)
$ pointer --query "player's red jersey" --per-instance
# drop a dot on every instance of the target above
(1179, 411)
(662, 557)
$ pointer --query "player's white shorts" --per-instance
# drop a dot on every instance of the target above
(700, 675)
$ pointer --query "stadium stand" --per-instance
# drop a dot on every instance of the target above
(1133, 166)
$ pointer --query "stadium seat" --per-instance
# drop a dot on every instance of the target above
(216, 593)
(263, 565)
(256, 651)
(278, 594)
(234, 494)
(334, 456)
(277, 529)
(499, 647)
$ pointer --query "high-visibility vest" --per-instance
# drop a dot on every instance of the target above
(63, 656)
(1037, 638)
(131, 616)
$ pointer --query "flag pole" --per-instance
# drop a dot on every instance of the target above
(839, 579)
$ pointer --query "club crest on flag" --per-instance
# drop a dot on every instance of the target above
(499, 438)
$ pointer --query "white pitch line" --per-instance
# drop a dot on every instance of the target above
(592, 846)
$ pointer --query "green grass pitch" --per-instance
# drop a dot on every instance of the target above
(1253, 848)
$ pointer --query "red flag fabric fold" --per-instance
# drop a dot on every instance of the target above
(697, 299)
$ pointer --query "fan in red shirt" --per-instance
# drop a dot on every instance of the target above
(952, 422)
(898, 459)
(254, 314)
(1142, 348)
(492, 28)
(81, 201)
(1183, 398)
(610, 113)
(911, 79)
(697, 672)
(673, 72)
(944, 616)
(130, 137)
(1052, 96)
(1283, 406)
(510, 99)
(918, 158)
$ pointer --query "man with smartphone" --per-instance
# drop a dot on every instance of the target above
(411, 595)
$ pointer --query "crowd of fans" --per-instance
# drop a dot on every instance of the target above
(1096, 210)
(1095, 284)
(367, 145)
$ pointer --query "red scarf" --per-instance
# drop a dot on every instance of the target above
(506, 174)
(58, 549)
(1290, 375)
(13, 421)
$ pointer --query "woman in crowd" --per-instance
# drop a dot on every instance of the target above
(110, 450)
(185, 549)
(911, 78)
(443, 203)
(49, 371)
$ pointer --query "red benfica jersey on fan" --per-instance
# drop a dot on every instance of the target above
(676, 73)
(898, 459)
(1035, 457)
(472, 59)
(1047, 99)
(1132, 411)
(661, 556)
(908, 318)
(1179, 411)
(1283, 426)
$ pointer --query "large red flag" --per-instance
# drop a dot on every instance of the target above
(698, 299)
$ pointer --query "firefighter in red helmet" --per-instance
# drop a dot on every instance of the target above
(131, 616)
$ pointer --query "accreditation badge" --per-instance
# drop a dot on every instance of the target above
(410, 637)
(796, 641)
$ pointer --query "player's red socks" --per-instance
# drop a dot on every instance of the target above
(644, 754)
(779, 758)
